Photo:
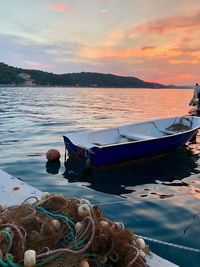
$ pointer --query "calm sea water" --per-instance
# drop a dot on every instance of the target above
(158, 198)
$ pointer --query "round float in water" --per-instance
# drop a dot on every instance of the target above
(53, 155)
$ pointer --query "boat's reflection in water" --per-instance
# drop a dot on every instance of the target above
(122, 179)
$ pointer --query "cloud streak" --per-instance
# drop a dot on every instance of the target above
(29, 53)
(61, 7)
(160, 26)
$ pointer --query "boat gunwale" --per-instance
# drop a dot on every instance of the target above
(170, 135)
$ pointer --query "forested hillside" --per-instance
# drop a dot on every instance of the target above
(25, 77)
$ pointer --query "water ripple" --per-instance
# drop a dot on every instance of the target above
(158, 198)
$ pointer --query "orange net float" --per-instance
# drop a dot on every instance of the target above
(53, 155)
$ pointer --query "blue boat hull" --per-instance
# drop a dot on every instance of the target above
(114, 154)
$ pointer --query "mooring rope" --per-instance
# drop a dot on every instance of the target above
(156, 240)
(170, 244)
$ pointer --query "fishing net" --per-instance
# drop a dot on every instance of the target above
(66, 232)
(178, 127)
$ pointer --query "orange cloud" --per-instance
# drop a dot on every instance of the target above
(187, 50)
(60, 7)
(184, 61)
(172, 65)
(184, 76)
(147, 48)
(175, 55)
(125, 53)
(184, 56)
(160, 26)
(108, 52)
(114, 37)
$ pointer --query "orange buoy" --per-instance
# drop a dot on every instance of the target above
(53, 155)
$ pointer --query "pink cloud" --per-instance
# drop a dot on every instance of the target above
(114, 37)
(187, 50)
(36, 65)
(109, 52)
(172, 64)
(60, 7)
(169, 24)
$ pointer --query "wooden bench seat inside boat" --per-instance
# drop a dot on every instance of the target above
(104, 137)
(109, 137)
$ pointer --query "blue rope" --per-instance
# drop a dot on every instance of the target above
(9, 237)
(60, 216)
(91, 255)
(71, 235)
(9, 259)
(78, 243)
(3, 263)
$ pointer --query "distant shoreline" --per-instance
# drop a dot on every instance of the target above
(97, 87)
(16, 77)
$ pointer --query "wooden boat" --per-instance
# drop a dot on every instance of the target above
(133, 141)
(13, 192)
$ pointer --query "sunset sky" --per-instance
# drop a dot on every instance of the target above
(154, 40)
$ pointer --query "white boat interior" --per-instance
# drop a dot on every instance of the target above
(140, 131)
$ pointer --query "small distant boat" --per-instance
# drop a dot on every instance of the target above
(133, 141)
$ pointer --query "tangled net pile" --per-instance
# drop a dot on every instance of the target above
(178, 127)
(59, 231)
